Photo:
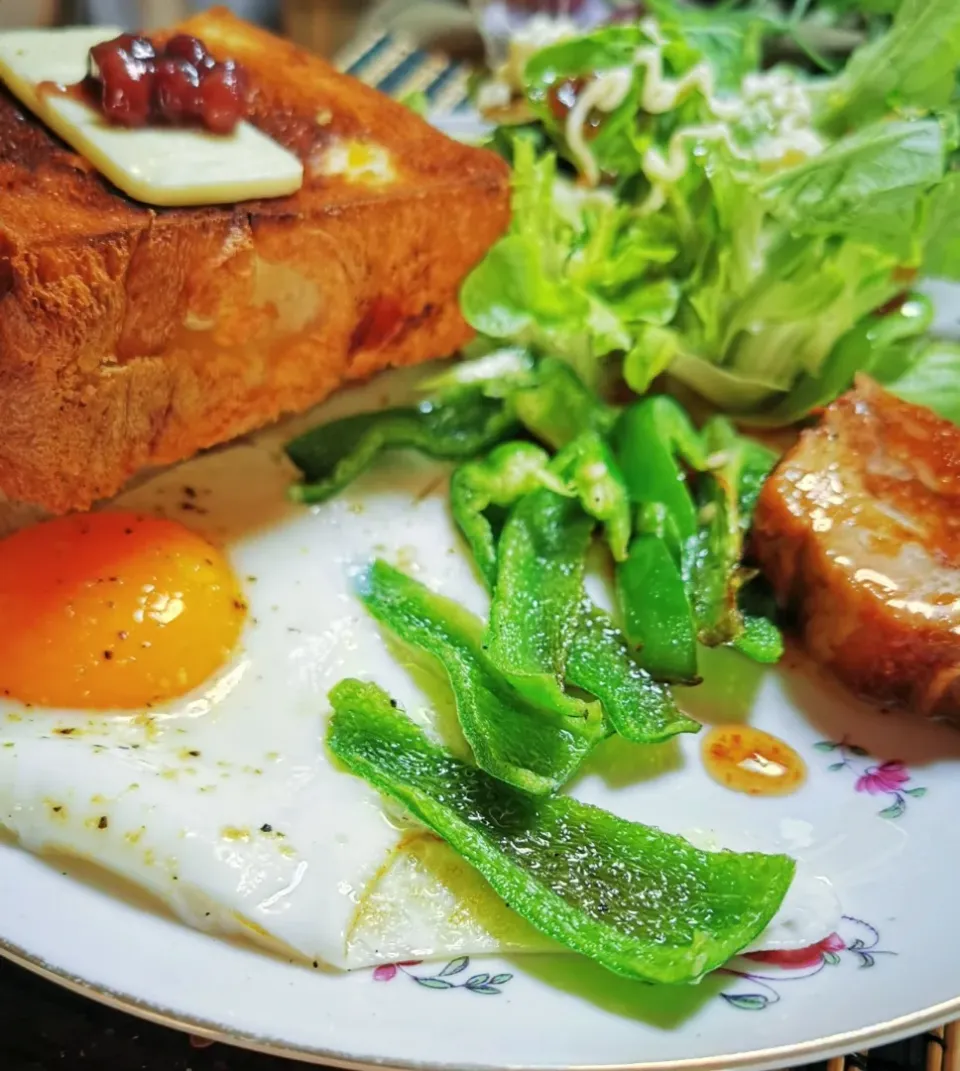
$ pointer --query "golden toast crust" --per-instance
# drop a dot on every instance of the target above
(132, 337)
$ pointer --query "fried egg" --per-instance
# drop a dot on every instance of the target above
(190, 760)
(113, 610)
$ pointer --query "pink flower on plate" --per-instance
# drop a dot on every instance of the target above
(801, 958)
(886, 778)
(386, 972)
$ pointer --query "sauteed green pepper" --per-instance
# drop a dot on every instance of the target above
(333, 455)
(643, 903)
(534, 748)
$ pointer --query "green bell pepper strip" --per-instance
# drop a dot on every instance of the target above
(588, 467)
(652, 437)
(333, 455)
(534, 749)
(642, 903)
(713, 564)
(557, 407)
(728, 493)
(649, 438)
(510, 471)
(760, 639)
(598, 659)
(584, 469)
(538, 595)
(758, 462)
(657, 616)
(638, 708)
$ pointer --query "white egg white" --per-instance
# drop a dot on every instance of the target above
(225, 805)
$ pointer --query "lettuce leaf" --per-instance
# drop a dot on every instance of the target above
(933, 379)
(913, 66)
(941, 257)
(567, 279)
(747, 230)
(866, 187)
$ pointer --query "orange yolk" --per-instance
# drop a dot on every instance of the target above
(105, 611)
(752, 761)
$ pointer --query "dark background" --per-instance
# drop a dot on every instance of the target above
(45, 1028)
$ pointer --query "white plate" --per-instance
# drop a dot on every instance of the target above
(880, 802)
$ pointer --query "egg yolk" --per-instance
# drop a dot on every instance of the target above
(751, 761)
(106, 611)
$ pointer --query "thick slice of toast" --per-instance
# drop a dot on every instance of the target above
(132, 337)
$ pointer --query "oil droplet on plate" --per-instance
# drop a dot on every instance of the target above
(749, 760)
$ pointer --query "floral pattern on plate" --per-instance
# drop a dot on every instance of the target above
(449, 977)
(885, 779)
(760, 975)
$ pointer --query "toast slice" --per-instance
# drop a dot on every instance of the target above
(133, 337)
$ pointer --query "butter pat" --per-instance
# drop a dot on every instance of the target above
(166, 166)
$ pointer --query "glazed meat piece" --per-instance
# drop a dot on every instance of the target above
(858, 529)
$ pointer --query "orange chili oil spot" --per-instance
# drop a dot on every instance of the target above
(751, 761)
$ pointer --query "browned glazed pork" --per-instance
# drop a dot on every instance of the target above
(858, 529)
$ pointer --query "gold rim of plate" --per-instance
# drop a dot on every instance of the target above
(891, 1030)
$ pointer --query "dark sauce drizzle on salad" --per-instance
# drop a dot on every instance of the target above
(562, 99)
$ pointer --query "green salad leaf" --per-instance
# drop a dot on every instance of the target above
(643, 903)
(868, 186)
(882, 344)
(728, 39)
(941, 252)
(912, 67)
(556, 71)
(565, 278)
(681, 209)
(933, 379)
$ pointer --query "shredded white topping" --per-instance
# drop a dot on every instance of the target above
(770, 121)
(604, 94)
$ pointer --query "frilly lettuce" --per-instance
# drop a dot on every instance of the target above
(578, 276)
(734, 227)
